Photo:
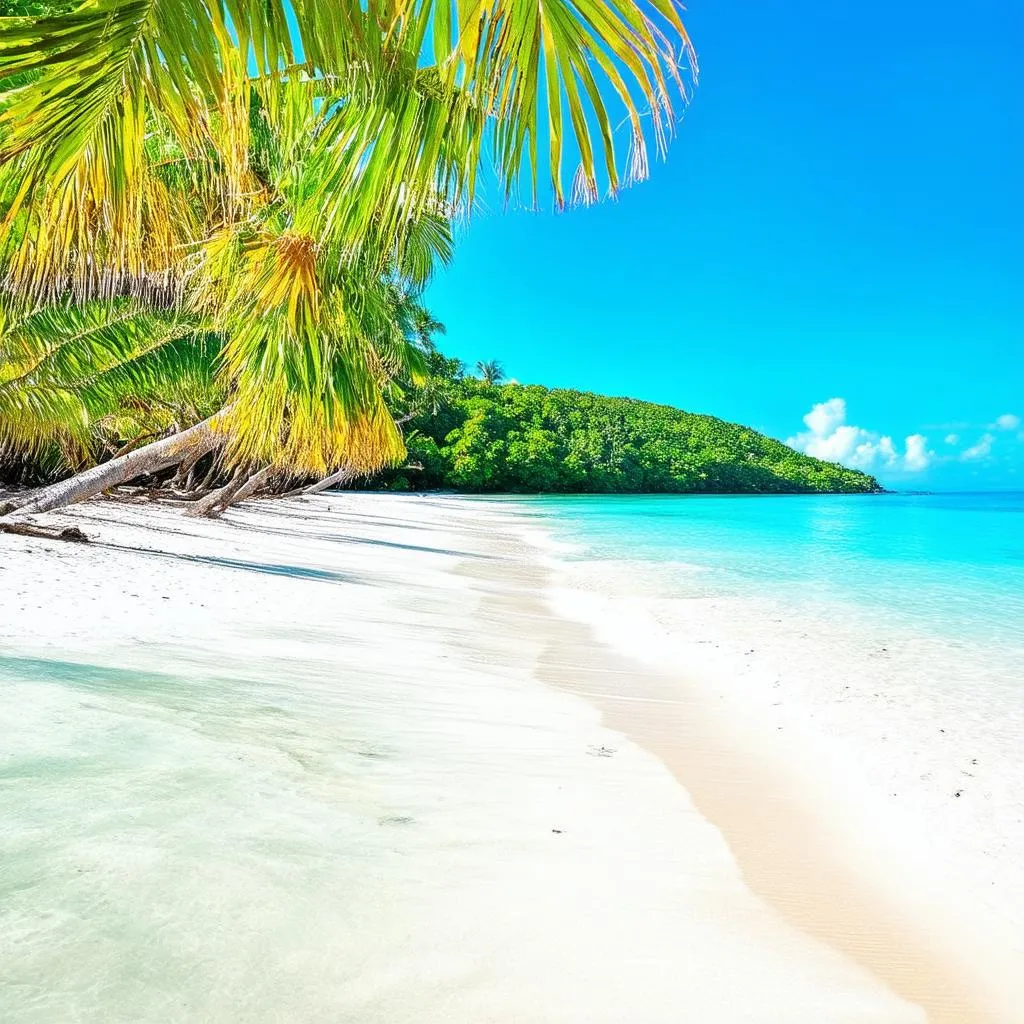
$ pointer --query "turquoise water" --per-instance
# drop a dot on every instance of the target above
(950, 564)
(886, 630)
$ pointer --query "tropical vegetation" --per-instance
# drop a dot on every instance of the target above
(473, 435)
(216, 220)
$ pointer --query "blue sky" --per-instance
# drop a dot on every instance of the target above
(839, 224)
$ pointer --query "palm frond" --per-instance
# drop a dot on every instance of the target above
(65, 368)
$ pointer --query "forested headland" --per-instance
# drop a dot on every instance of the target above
(478, 434)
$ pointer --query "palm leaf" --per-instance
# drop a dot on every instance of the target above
(65, 368)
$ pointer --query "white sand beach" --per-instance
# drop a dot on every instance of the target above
(341, 759)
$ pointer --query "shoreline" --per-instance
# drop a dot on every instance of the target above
(484, 746)
(789, 853)
(812, 858)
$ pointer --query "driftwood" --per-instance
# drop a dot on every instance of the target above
(251, 486)
(69, 533)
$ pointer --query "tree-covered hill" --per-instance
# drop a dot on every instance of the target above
(477, 436)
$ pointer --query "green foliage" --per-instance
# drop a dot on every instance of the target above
(79, 381)
(32, 8)
(485, 437)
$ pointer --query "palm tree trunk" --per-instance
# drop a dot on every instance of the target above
(256, 481)
(343, 476)
(207, 506)
(241, 486)
(169, 451)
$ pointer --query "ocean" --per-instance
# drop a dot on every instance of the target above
(950, 565)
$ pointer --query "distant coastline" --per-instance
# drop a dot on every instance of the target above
(474, 436)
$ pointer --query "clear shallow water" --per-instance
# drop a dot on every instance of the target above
(949, 564)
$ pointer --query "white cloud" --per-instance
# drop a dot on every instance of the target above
(918, 457)
(1008, 421)
(829, 436)
(952, 439)
(981, 450)
(826, 416)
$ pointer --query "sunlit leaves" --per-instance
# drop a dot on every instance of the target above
(67, 370)
(287, 171)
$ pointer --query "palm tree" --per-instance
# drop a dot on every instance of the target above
(72, 377)
(277, 174)
(425, 327)
(491, 372)
(307, 349)
(71, 373)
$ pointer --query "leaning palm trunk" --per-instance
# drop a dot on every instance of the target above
(252, 485)
(343, 476)
(207, 505)
(241, 487)
(188, 444)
